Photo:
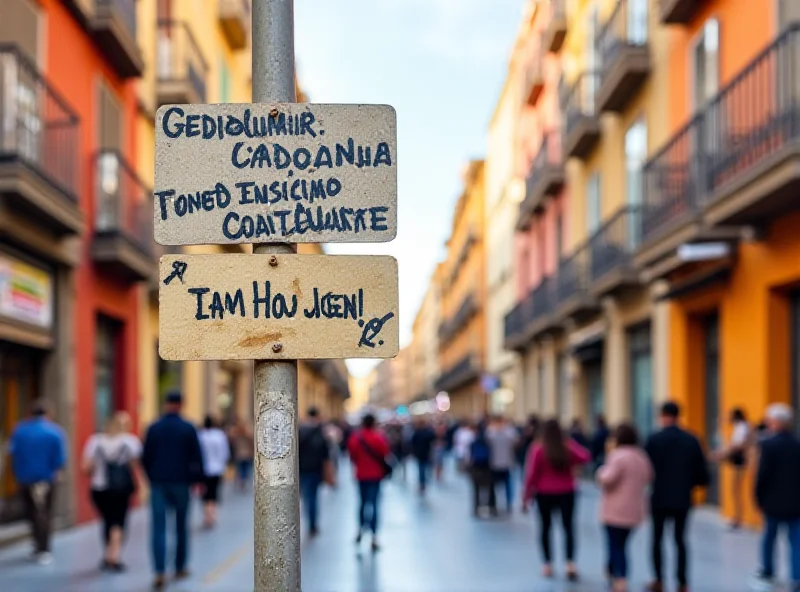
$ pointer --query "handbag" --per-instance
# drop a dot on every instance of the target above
(387, 467)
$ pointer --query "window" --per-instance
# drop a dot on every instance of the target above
(706, 64)
(106, 377)
(637, 22)
(640, 361)
(110, 120)
(635, 155)
(593, 197)
(224, 83)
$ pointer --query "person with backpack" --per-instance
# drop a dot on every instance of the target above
(314, 453)
(216, 453)
(479, 461)
(368, 449)
(550, 479)
(109, 457)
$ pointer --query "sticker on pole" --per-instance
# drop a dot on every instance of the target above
(259, 307)
(283, 172)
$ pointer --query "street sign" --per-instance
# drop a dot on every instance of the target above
(275, 173)
(284, 307)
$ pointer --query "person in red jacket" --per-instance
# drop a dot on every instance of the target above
(550, 478)
(368, 449)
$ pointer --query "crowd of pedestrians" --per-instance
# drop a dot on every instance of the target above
(653, 479)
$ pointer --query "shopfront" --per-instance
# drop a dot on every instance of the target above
(640, 364)
(26, 341)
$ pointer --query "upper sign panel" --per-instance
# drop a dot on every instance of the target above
(283, 172)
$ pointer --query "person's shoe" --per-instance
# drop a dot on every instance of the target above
(105, 565)
(572, 572)
(116, 567)
(313, 532)
(683, 588)
(375, 546)
(655, 587)
(358, 538)
(182, 574)
(44, 558)
(760, 582)
(547, 571)
(159, 582)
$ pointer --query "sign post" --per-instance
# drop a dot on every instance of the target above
(273, 174)
(277, 497)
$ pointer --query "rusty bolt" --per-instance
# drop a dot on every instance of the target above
(273, 113)
(277, 348)
(273, 261)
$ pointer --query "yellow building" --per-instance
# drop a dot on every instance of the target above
(423, 351)
(462, 332)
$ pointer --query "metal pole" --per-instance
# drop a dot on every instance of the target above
(277, 499)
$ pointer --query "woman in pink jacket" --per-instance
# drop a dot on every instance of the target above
(623, 479)
(550, 478)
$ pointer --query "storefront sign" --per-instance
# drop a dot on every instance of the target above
(255, 307)
(26, 293)
(285, 172)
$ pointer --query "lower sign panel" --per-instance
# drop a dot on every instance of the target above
(259, 307)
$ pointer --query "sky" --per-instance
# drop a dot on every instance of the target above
(441, 65)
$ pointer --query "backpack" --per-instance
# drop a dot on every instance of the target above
(119, 477)
(479, 453)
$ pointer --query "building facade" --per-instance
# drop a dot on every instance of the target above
(423, 365)
(388, 384)
(462, 332)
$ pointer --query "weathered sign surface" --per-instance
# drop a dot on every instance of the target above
(283, 172)
(246, 307)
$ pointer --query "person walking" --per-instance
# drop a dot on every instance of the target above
(623, 480)
(502, 438)
(679, 466)
(173, 462)
(597, 445)
(38, 454)
(109, 458)
(216, 452)
(422, 449)
(577, 433)
(368, 448)
(241, 436)
(778, 494)
(527, 435)
(463, 438)
(550, 479)
(439, 449)
(735, 453)
(479, 463)
(314, 452)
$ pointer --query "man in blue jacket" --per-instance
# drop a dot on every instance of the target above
(38, 453)
(172, 459)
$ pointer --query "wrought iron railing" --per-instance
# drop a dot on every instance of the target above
(615, 241)
(573, 273)
(674, 180)
(37, 127)
(179, 56)
(626, 26)
(124, 203)
(579, 99)
(126, 9)
(451, 327)
(464, 370)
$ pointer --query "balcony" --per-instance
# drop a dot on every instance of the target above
(514, 326)
(572, 285)
(753, 140)
(463, 372)
(556, 31)
(624, 53)
(546, 178)
(530, 317)
(534, 79)
(234, 18)
(182, 70)
(582, 129)
(38, 156)
(123, 235)
(612, 247)
(452, 327)
(113, 27)
(674, 12)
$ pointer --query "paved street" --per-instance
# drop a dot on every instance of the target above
(429, 545)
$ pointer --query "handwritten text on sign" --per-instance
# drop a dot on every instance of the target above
(255, 307)
(275, 173)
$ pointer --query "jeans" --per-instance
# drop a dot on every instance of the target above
(680, 518)
(771, 529)
(482, 483)
(163, 498)
(243, 469)
(309, 488)
(424, 468)
(504, 476)
(617, 538)
(38, 499)
(548, 504)
(369, 492)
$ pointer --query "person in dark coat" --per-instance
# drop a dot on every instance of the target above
(422, 449)
(314, 454)
(597, 446)
(680, 466)
(778, 492)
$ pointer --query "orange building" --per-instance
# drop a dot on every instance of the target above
(462, 333)
(720, 215)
